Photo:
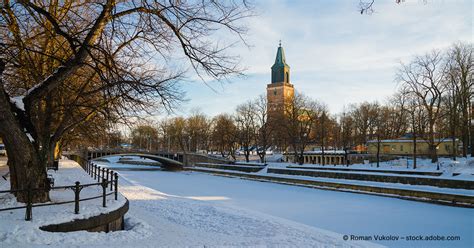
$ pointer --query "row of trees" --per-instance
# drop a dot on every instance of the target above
(432, 102)
(68, 65)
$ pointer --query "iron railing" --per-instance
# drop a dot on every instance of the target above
(104, 177)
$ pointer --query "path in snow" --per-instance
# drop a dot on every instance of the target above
(344, 213)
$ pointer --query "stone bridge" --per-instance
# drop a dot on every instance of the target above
(168, 160)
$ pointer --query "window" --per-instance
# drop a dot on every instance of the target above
(275, 92)
(447, 148)
(401, 148)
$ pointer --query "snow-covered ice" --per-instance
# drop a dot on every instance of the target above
(340, 212)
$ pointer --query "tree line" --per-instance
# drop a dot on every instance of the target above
(433, 101)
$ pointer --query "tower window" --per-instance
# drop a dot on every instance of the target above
(287, 77)
(275, 92)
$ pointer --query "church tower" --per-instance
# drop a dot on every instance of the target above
(280, 91)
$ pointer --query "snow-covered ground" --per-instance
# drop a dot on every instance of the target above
(192, 208)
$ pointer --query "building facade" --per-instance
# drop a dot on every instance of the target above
(405, 147)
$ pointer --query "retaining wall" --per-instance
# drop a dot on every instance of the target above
(243, 168)
(330, 167)
(112, 221)
(443, 183)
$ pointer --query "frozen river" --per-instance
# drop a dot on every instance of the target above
(340, 212)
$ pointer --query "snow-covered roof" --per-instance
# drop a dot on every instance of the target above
(325, 152)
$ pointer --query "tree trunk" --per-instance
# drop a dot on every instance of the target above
(262, 156)
(465, 129)
(346, 157)
(301, 157)
(465, 141)
(26, 171)
(453, 136)
(432, 146)
(378, 152)
(472, 142)
(322, 153)
(433, 153)
(26, 168)
(472, 135)
(247, 154)
(454, 151)
(414, 150)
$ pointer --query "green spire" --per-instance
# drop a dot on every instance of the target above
(280, 69)
(280, 60)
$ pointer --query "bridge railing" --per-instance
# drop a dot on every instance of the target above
(104, 177)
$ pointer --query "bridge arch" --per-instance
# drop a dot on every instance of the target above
(166, 163)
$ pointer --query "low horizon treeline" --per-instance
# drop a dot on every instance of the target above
(432, 101)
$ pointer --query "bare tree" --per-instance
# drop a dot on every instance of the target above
(364, 116)
(144, 136)
(265, 130)
(198, 128)
(65, 62)
(367, 6)
(322, 126)
(424, 78)
(347, 140)
(409, 104)
(246, 127)
(460, 68)
(300, 116)
(224, 135)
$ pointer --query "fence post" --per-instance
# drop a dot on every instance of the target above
(29, 212)
(94, 170)
(103, 174)
(116, 185)
(77, 190)
(104, 189)
(111, 174)
(98, 173)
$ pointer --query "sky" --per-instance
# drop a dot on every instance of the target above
(336, 55)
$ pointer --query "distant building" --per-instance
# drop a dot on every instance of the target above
(330, 157)
(280, 91)
(405, 147)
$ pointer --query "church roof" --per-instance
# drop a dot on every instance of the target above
(280, 60)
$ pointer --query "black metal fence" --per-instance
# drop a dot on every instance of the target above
(104, 177)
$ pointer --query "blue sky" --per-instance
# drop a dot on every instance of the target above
(336, 55)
